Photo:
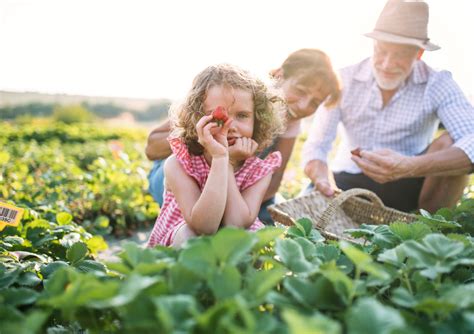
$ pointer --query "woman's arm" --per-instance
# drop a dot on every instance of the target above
(157, 147)
(202, 211)
(285, 146)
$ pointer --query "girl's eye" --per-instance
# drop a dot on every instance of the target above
(242, 115)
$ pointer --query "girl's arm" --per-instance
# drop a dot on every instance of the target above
(242, 208)
(202, 211)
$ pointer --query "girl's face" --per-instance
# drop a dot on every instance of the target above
(302, 100)
(239, 105)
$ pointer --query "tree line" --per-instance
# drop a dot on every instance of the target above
(83, 111)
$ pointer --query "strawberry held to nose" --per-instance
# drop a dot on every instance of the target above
(220, 116)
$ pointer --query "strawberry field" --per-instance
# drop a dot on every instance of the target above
(80, 183)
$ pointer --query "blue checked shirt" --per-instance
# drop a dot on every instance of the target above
(407, 124)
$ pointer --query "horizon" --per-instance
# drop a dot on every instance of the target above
(153, 50)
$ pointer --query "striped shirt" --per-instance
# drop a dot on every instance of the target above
(171, 218)
(407, 124)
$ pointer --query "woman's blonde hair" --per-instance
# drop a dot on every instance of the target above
(313, 67)
(267, 106)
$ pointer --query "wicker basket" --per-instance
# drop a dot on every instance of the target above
(331, 216)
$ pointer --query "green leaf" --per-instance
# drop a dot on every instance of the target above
(291, 254)
(29, 278)
(199, 257)
(327, 253)
(343, 285)
(231, 245)
(466, 205)
(183, 280)
(402, 297)
(309, 248)
(225, 282)
(133, 254)
(462, 296)
(7, 278)
(176, 313)
(436, 254)
(437, 222)
(64, 218)
(395, 256)
(380, 235)
(362, 260)
(310, 324)
(294, 231)
(305, 225)
(50, 268)
(19, 296)
(315, 236)
(434, 307)
(262, 281)
(86, 266)
(77, 252)
(267, 235)
(414, 231)
(445, 213)
(369, 316)
(131, 287)
(303, 291)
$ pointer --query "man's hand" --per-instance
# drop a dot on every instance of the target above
(318, 172)
(384, 165)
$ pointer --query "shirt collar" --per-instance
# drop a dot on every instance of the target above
(363, 72)
(419, 74)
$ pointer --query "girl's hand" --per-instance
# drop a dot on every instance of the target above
(242, 149)
(212, 136)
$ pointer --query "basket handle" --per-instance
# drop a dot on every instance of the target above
(344, 196)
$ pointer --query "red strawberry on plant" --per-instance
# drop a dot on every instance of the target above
(220, 116)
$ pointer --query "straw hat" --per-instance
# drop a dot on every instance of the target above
(404, 22)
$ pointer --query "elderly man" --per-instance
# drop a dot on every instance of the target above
(392, 104)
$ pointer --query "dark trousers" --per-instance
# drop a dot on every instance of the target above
(401, 194)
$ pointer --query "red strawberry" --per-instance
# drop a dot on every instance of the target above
(356, 152)
(220, 115)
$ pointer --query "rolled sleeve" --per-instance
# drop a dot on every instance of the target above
(456, 113)
(321, 135)
(467, 145)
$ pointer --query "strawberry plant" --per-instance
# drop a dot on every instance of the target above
(105, 190)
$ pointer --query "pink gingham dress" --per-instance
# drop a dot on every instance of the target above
(171, 219)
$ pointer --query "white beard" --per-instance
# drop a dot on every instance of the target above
(391, 84)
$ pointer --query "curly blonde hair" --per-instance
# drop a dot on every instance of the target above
(268, 104)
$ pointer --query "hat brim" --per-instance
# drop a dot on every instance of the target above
(387, 37)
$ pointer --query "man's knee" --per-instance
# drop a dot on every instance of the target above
(442, 142)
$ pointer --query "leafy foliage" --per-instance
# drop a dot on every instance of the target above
(103, 187)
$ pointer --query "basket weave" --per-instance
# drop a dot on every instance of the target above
(331, 216)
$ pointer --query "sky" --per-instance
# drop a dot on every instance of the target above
(153, 49)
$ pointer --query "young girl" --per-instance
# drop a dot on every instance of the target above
(306, 79)
(213, 179)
